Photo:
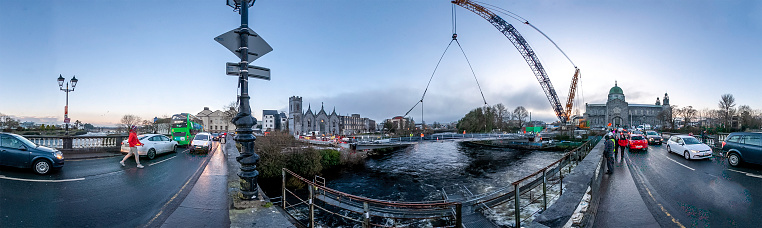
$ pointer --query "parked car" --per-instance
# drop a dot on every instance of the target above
(215, 137)
(743, 147)
(654, 137)
(17, 151)
(689, 147)
(202, 142)
(638, 142)
(153, 144)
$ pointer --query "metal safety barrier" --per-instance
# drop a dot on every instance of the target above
(541, 187)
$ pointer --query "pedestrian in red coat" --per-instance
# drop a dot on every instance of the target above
(134, 142)
(622, 144)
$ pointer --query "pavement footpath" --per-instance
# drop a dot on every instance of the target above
(209, 203)
(621, 205)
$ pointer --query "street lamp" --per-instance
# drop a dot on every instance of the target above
(67, 90)
(243, 120)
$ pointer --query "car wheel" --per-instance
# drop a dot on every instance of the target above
(151, 154)
(668, 151)
(174, 148)
(687, 155)
(734, 159)
(41, 166)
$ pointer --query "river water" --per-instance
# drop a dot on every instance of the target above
(419, 172)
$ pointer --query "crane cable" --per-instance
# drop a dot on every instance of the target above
(525, 21)
(454, 38)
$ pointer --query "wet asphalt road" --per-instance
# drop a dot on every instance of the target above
(697, 193)
(99, 192)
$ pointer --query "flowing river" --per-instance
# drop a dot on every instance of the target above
(419, 172)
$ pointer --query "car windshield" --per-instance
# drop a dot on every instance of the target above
(651, 133)
(26, 141)
(637, 137)
(637, 132)
(201, 137)
(691, 140)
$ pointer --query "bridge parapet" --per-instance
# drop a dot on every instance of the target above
(74, 144)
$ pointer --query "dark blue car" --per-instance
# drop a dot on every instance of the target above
(17, 151)
(743, 147)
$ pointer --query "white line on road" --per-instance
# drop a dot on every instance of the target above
(161, 161)
(33, 180)
(692, 169)
(747, 174)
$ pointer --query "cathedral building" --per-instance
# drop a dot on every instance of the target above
(322, 123)
(620, 113)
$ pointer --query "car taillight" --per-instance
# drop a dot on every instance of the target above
(723, 144)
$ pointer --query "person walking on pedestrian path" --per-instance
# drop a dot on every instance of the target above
(134, 142)
(622, 145)
(608, 152)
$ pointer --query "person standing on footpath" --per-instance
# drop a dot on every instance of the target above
(134, 142)
(622, 144)
(608, 151)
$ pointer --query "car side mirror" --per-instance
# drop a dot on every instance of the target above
(23, 147)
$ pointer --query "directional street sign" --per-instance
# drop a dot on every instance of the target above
(257, 46)
(254, 71)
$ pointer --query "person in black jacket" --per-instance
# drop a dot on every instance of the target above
(608, 152)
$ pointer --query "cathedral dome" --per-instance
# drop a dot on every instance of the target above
(616, 90)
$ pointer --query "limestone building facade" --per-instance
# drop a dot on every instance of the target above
(322, 123)
(620, 113)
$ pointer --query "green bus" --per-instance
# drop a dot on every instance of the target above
(184, 127)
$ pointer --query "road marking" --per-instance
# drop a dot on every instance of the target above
(33, 180)
(692, 169)
(161, 161)
(164, 207)
(648, 190)
(747, 174)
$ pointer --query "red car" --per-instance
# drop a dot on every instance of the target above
(638, 142)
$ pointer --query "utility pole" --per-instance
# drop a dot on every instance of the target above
(243, 120)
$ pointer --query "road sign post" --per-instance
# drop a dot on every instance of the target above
(238, 41)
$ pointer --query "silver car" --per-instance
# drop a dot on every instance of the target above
(689, 147)
(153, 144)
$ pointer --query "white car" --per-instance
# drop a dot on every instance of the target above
(201, 142)
(153, 144)
(689, 147)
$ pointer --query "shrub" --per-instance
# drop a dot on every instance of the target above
(330, 158)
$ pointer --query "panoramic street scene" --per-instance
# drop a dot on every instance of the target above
(451, 113)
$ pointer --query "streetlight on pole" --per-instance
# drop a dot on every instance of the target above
(243, 120)
(73, 82)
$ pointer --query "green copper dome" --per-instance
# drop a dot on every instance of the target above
(616, 89)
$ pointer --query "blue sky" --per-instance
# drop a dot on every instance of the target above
(156, 58)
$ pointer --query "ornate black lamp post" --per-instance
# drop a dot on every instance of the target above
(67, 90)
(243, 120)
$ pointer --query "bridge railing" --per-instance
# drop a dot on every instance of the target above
(78, 143)
(524, 198)
(360, 210)
(535, 192)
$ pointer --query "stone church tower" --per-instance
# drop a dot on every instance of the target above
(295, 115)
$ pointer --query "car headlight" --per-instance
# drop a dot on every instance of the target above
(695, 151)
(58, 154)
(206, 143)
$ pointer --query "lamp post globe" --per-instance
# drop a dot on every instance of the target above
(73, 82)
(60, 81)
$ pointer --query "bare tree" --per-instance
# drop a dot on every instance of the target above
(228, 112)
(727, 104)
(501, 113)
(745, 112)
(128, 121)
(689, 114)
(521, 114)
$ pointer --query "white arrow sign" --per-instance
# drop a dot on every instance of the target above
(254, 71)
(257, 46)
